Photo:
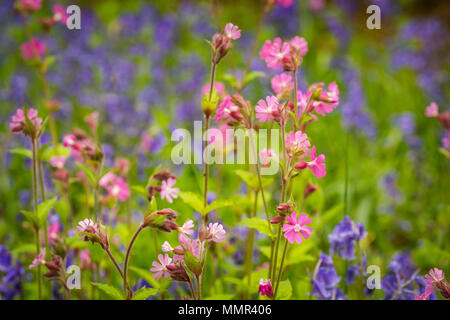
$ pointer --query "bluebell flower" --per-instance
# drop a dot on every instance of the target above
(344, 237)
(325, 281)
(11, 273)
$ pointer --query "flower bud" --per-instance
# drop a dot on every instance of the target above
(277, 219)
(300, 165)
(309, 188)
(163, 175)
(177, 272)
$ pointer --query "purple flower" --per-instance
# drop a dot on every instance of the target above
(344, 237)
(11, 273)
(325, 280)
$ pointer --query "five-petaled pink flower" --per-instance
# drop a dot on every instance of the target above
(53, 231)
(225, 109)
(166, 247)
(31, 5)
(282, 84)
(265, 288)
(167, 190)
(295, 228)
(160, 269)
(193, 246)
(17, 124)
(426, 294)
(435, 276)
(116, 186)
(267, 110)
(33, 49)
(58, 161)
(299, 45)
(296, 143)
(273, 52)
(39, 260)
(432, 110)
(232, 32)
(59, 14)
(317, 165)
(266, 156)
(216, 232)
(187, 227)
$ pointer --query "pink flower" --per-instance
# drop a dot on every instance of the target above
(225, 109)
(317, 165)
(85, 259)
(328, 100)
(31, 5)
(426, 294)
(296, 143)
(285, 3)
(39, 260)
(167, 190)
(59, 13)
(17, 124)
(160, 269)
(432, 110)
(265, 156)
(58, 161)
(299, 45)
(446, 143)
(187, 227)
(166, 247)
(295, 228)
(87, 225)
(219, 86)
(187, 244)
(435, 276)
(267, 110)
(277, 52)
(33, 49)
(232, 32)
(216, 232)
(265, 288)
(282, 84)
(53, 231)
(116, 186)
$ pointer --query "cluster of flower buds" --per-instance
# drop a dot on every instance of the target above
(162, 182)
(177, 272)
(163, 220)
(26, 122)
(93, 232)
(284, 210)
(82, 146)
(55, 268)
(221, 42)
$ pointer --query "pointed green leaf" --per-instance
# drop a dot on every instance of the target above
(217, 205)
(193, 200)
(144, 293)
(258, 224)
(44, 208)
(109, 290)
(22, 151)
(89, 173)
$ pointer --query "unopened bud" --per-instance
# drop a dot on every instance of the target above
(300, 165)
(277, 219)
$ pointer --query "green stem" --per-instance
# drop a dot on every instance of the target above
(35, 200)
(281, 268)
(294, 74)
(42, 187)
(129, 294)
(346, 174)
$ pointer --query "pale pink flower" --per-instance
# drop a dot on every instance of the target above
(167, 190)
(216, 232)
(187, 227)
(53, 231)
(296, 143)
(39, 260)
(116, 186)
(295, 228)
(267, 110)
(265, 288)
(31, 5)
(266, 156)
(166, 247)
(160, 268)
(232, 31)
(58, 161)
(302, 100)
(432, 110)
(277, 52)
(282, 84)
(59, 14)
(435, 276)
(87, 225)
(219, 86)
(85, 259)
(317, 165)
(299, 45)
(17, 124)
(33, 49)
(426, 294)
(70, 141)
(187, 244)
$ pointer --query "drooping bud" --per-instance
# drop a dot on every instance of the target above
(300, 165)
(277, 219)
(162, 220)
(309, 188)
(163, 175)
(177, 272)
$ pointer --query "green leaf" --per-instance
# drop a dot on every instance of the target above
(252, 179)
(109, 290)
(284, 290)
(22, 151)
(31, 217)
(217, 205)
(258, 224)
(193, 200)
(89, 173)
(140, 190)
(146, 275)
(44, 208)
(53, 151)
(252, 76)
(220, 296)
(144, 293)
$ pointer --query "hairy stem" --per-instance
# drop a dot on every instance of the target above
(129, 294)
